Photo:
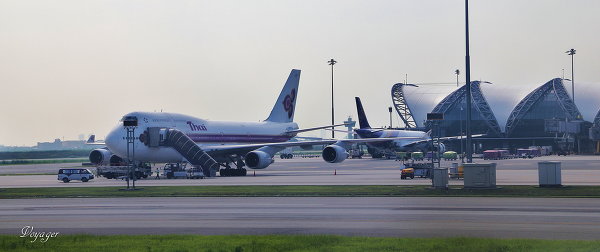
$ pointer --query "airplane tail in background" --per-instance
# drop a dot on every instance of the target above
(362, 118)
(92, 139)
(284, 108)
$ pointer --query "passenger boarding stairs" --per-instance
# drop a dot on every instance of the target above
(184, 145)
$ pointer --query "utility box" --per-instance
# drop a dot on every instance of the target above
(440, 178)
(549, 174)
(480, 175)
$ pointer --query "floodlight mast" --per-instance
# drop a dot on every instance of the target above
(572, 54)
(457, 72)
(331, 63)
(390, 110)
(468, 83)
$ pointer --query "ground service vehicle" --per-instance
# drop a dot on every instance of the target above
(407, 173)
(117, 171)
(528, 153)
(491, 155)
(175, 170)
(450, 155)
(422, 170)
(67, 175)
(417, 156)
(195, 173)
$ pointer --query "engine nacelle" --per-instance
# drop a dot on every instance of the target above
(258, 159)
(334, 154)
(100, 156)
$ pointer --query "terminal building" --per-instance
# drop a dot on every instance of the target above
(595, 132)
(547, 116)
(454, 106)
(535, 115)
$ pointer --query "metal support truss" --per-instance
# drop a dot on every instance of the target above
(554, 86)
(597, 119)
(402, 106)
(479, 102)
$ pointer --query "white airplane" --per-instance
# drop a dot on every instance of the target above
(410, 140)
(170, 137)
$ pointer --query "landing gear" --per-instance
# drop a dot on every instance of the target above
(375, 153)
(231, 172)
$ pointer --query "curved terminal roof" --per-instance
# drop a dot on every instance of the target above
(549, 101)
(453, 107)
(401, 105)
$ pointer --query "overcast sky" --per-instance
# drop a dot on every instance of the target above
(75, 67)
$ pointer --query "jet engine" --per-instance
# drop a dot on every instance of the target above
(334, 154)
(258, 159)
(100, 156)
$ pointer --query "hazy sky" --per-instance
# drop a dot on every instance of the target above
(73, 67)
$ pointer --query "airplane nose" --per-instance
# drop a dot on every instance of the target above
(113, 140)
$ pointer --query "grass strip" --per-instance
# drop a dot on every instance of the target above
(266, 243)
(299, 191)
(42, 161)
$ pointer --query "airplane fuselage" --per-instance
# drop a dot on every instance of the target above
(203, 132)
(396, 145)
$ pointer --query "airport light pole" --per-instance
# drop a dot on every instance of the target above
(331, 63)
(468, 83)
(457, 72)
(390, 110)
(572, 53)
(462, 152)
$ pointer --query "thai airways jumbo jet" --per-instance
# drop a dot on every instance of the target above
(171, 137)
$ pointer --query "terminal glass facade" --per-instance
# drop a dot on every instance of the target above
(454, 108)
(550, 102)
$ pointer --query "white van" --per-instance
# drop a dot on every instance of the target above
(67, 175)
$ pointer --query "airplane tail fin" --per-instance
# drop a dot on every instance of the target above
(91, 139)
(362, 118)
(283, 110)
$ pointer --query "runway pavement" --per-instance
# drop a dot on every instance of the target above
(544, 218)
(576, 170)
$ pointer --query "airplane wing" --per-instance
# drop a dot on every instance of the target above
(345, 131)
(311, 129)
(342, 131)
(244, 148)
(442, 139)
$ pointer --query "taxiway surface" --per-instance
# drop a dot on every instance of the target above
(544, 218)
(576, 170)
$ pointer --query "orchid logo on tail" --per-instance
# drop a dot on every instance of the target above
(288, 103)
